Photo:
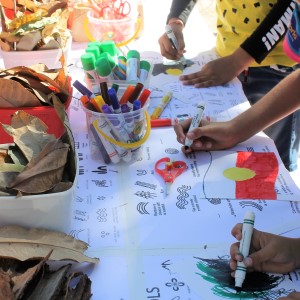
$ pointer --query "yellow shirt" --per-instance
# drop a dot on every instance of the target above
(237, 20)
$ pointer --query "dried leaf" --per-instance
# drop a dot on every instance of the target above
(36, 243)
(60, 84)
(82, 291)
(29, 133)
(5, 286)
(22, 281)
(6, 178)
(51, 284)
(13, 94)
(44, 171)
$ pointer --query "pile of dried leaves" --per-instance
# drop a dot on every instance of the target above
(33, 272)
(34, 86)
(35, 26)
(38, 162)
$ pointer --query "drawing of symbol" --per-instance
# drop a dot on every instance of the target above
(174, 284)
(145, 184)
(141, 172)
(104, 234)
(75, 233)
(102, 215)
(101, 170)
(80, 212)
(182, 203)
(79, 199)
(250, 149)
(251, 203)
(141, 207)
(214, 201)
(80, 156)
(166, 265)
(81, 170)
(101, 198)
(172, 151)
(100, 183)
(145, 195)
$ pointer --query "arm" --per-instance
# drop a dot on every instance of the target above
(177, 18)
(278, 103)
(280, 14)
(181, 9)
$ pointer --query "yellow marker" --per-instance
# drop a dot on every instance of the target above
(160, 108)
(99, 101)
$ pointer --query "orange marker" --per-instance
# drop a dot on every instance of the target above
(126, 94)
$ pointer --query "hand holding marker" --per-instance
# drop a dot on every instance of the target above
(174, 43)
(194, 124)
(240, 272)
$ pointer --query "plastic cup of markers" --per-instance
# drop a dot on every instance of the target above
(117, 138)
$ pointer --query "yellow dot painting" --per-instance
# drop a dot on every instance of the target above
(238, 174)
(174, 72)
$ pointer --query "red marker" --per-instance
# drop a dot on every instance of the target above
(167, 122)
(144, 96)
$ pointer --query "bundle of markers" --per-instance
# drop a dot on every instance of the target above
(116, 125)
(102, 62)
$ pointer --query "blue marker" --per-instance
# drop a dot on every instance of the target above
(137, 104)
(114, 100)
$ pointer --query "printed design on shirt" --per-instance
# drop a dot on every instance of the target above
(240, 16)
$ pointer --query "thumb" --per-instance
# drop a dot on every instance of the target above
(257, 259)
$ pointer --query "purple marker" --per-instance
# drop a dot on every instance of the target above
(83, 90)
(117, 123)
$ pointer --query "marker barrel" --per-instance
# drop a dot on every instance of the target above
(161, 106)
(195, 123)
(245, 242)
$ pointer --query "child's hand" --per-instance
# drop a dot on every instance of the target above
(268, 252)
(210, 136)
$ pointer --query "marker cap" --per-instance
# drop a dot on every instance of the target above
(145, 65)
(133, 54)
(93, 49)
(95, 43)
(103, 67)
(88, 61)
(109, 47)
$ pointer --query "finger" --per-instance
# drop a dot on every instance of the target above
(232, 264)
(234, 252)
(205, 84)
(237, 231)
(202, 144)
(179, 133)
(166, 48)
